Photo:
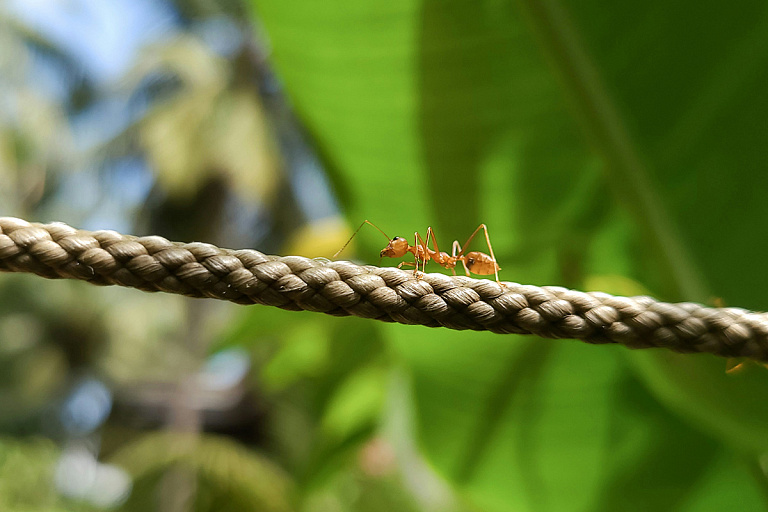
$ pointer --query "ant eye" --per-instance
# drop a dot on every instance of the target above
(396, 238)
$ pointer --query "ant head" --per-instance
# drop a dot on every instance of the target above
(396, 248)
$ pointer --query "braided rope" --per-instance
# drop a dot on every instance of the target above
(342, 288)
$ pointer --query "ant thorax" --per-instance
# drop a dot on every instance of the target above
(445, 260)
(420, 253)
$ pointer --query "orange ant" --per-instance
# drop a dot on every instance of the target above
(475, 262)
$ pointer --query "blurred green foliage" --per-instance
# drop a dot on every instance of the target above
(607, 147)
(26, 467)
(595, 141)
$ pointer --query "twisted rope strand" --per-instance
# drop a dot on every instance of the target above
(342, 288)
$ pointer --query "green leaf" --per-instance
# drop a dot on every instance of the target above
(356, 404)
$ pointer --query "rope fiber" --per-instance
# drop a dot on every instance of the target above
(342, 288)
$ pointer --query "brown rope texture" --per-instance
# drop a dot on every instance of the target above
(342, 288)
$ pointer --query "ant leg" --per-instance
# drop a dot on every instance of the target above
(453, 249)
(461, 251)
(419, 243)
(431, 233)
(445, 261)
(438, 257)
(425, 244)
(490, 247)
(416, 238)
(493, 256)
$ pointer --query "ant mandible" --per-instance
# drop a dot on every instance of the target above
(475, 262)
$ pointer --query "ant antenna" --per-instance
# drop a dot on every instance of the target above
(353, 236)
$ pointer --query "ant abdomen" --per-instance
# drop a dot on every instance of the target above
(480, 263)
